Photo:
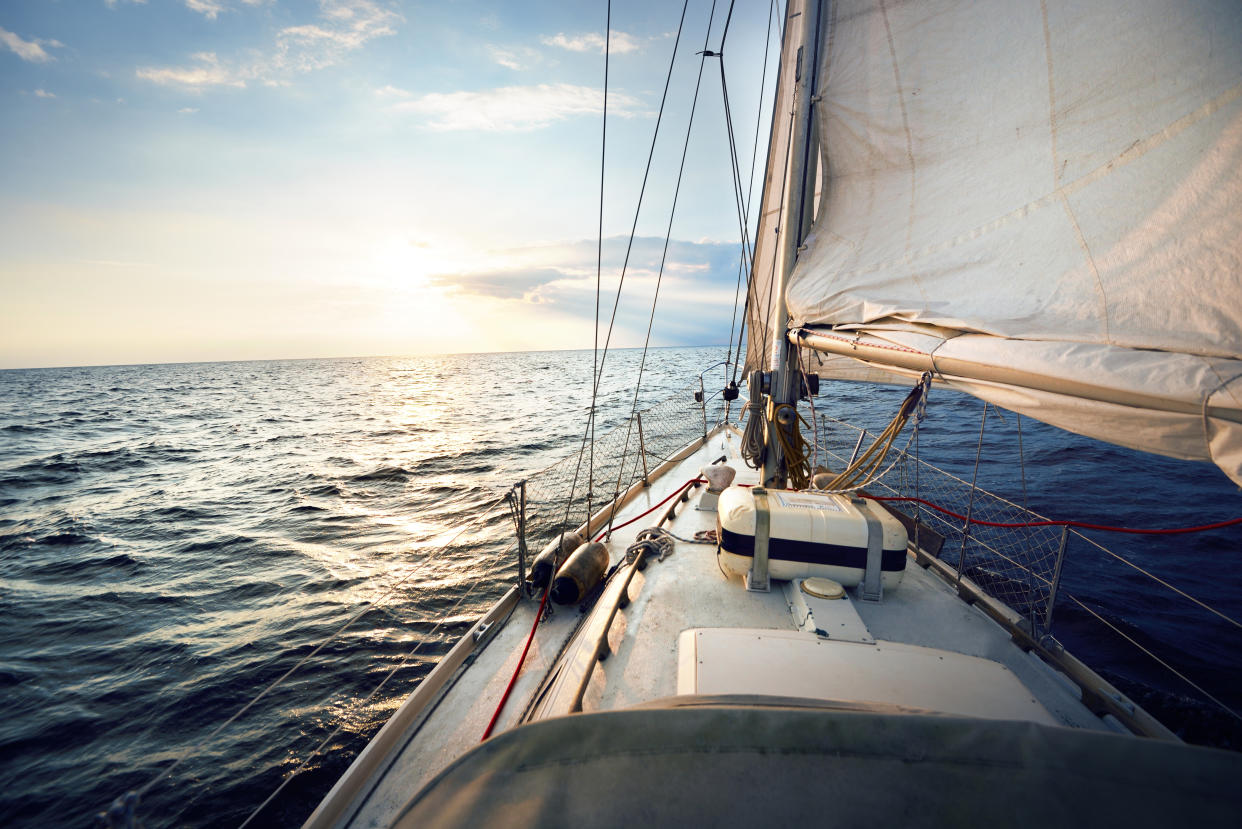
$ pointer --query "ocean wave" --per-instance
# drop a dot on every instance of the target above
(23, 428)
(274, 499)
(384, 473)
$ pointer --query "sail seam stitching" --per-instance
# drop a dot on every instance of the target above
(1086, 252)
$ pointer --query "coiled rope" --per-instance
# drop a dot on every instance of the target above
(752, 448)
(866, 468)
(793, 445)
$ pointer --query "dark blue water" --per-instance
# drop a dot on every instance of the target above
(175, 537)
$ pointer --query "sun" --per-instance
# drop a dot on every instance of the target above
(404, 263)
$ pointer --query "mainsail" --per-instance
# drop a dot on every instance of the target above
(1040, 203)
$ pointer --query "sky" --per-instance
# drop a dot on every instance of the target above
(186, 180)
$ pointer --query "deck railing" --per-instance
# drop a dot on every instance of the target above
(563, 495)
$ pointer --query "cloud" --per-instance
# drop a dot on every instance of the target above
(208, 72)
(187, 110)
(30, 50)
(517, 57)
(342, 26)
(592, 42)
(208, 8)
(511, 108)
(534, 273)
(391, 91)
(696, 292)
(43, 93)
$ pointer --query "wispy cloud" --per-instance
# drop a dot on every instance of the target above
(208, 8)
(31, 50)
(697, 288)
(514, 57)
(391, 91)
(43, 93)
(207, 72)
(341, 27)
(533, 273)
(592, 42)
(187, 110)
(511, 108)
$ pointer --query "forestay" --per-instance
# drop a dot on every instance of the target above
(1046, 197)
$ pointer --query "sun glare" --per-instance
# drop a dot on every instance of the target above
(404, 264)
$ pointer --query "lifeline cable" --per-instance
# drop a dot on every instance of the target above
(1081, 525)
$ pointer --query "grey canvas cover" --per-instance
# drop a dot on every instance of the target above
(719, 762)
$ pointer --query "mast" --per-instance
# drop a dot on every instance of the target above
(796, 212)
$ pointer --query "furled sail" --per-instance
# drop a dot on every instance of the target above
(762, 301)
(1041, 203)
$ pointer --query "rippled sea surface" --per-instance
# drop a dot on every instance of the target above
(173, 538)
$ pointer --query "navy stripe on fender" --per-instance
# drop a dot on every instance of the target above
(835, 555)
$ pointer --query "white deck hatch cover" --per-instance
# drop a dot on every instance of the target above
(798, 664)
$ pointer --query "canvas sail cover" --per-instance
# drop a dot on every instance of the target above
(1051, 191)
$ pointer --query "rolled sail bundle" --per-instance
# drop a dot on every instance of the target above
(556, 551)
(580, 573)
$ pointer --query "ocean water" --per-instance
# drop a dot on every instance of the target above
(175, 537)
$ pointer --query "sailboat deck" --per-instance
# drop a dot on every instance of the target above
(688, 591)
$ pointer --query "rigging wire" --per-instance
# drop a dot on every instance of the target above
(530, 637)
(765, 315)
(670, 497)
(642, 364)
(735, 171)
(596, 369)
(750, 192)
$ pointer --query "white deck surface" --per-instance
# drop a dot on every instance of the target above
(688, 591)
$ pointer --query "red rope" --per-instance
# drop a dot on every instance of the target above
(491, 725)
(676, 492)
(1082, 525)
(513, 679)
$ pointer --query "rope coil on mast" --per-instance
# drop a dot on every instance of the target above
(752, 439)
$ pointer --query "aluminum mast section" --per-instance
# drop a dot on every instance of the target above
(797, 212)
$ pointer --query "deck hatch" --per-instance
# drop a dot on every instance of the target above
(800, 664)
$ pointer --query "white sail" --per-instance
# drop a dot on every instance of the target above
(1049, 191)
